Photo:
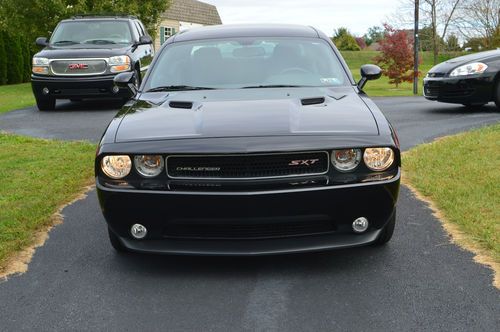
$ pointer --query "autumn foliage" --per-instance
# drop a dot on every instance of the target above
(396, 57)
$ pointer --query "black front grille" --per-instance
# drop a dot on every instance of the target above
(245, 229)
(432, 91)
(247, 166)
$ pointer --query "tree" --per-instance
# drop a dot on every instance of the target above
(396, 56)
(361, 42)
(34, 18)
(481, 19)
(374, 35)
(344, 40)
(3, 59)
(452, 44)
(15, 59)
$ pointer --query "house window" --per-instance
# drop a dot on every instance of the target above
(165, 33)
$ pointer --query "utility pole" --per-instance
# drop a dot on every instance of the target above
(415, 49)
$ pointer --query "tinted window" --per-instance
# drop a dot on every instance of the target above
(92, 32)
(243, 62)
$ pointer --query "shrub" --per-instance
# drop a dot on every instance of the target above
(15, 61)
(3, 59)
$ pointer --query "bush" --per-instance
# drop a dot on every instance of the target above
(15, 61)
(345, 41)
(3, 59)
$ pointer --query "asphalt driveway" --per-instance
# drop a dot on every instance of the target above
(418, 282)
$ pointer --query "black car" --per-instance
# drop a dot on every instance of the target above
(84, 55)
(471, 80)
(248, 140)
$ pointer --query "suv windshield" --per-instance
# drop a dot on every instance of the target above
(247, 63)
(92, 32)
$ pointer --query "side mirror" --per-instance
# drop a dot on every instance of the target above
(369, 73)
(42, 41)
(126, 81)
(145, 40)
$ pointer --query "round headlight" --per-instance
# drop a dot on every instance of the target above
(346, 160)
(378, 159)
(149, 165)
(116, 167)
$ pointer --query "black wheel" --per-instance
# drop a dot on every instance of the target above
(387, 232)
(115, 241)
(45, 103)
(496, 95)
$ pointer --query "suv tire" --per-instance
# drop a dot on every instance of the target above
(496, 94)
(45, 103)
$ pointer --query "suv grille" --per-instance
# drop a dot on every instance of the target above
(248, 166)
(78, 67)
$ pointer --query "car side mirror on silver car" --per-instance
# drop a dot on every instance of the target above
(369, 73)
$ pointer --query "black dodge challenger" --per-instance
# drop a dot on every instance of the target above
(471, 80)
(248, 140)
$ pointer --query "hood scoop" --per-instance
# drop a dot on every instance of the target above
(312, 101)
(181, 104)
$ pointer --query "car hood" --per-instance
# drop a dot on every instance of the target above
(245, 113)
(451, 64)
(81, 52)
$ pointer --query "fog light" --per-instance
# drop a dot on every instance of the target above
(138, 231)
(45, 91)
(116, 89)
(360, 225)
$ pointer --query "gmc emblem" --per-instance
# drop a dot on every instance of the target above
(305, 162)
(76, 66)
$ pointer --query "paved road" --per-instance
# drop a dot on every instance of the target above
(419, 282)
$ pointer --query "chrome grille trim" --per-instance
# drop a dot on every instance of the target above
(243, 155)
(56, 73)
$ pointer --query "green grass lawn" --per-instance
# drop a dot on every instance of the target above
(460, 174)
(37, 176)
(381, 87)
(15, 96)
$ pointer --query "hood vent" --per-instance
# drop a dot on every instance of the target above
(181, 104)
(312, 101)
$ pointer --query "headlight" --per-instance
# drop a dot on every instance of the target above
(40, 66)
(119, 63)
(378, 159)
(469, 69)
(116, 167)
(149, 166)
(346, 160)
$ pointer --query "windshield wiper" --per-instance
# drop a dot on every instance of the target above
(178, 88)
(99, 41)
(272, 86)
(65, 42)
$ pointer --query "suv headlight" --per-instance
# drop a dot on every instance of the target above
(378, 159)
(40, 66)
(469, 69)
(116, 167)
(119, 63)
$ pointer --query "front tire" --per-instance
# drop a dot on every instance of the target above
(115, 242)
(386, 234)
(45, 103)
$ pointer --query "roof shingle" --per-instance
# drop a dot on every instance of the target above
(192, 11)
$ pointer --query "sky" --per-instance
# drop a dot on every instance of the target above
(326, 15)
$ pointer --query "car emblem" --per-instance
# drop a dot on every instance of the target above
(77, 66)
(303, 162)
(197, 169)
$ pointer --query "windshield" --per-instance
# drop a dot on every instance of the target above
(92, 32)
(247, 63)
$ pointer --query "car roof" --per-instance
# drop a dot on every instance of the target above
(247, 30)
(98, 18)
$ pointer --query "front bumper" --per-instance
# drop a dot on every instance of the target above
(468, 90)
(77, 87)
(339, 205)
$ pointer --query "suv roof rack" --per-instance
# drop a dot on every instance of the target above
(104, 15)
